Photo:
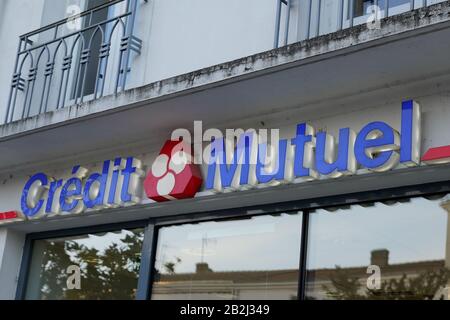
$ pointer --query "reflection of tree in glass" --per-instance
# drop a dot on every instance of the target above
(110, 274)
(53, 276)
(424, 286)
(170, 266)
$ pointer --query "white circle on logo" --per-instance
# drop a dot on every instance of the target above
(178, 162)
(159, 167)
(166, 185)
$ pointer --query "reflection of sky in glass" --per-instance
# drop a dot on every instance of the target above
(100, 241)
(414, 231)
(260, 243)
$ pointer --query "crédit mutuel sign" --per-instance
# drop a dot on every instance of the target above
(252, 163)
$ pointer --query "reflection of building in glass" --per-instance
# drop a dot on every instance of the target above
(229, 259)
(208, 284)
(413, 280)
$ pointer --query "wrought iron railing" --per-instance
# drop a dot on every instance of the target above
(73, 60)
(346, 14)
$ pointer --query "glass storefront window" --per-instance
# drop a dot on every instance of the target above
(254, 258)
(390, 251)
(384, 250)
(94, 266)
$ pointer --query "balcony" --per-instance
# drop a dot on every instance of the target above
(298, 20)
(83, 57)
(87, 56)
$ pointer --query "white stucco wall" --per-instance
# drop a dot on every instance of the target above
(182, 36)
(11, 245)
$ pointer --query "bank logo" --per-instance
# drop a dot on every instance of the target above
(173, 175)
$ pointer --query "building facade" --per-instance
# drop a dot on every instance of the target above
(258, 149)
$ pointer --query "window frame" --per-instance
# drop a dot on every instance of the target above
(32, 237)
(152, 226)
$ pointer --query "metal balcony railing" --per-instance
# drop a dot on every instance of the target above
(343, 14)
(73, 60)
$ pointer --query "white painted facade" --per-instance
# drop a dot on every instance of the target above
(183, 36)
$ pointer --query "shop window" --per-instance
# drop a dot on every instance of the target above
(255, 258)
(389, 250)
(94, 266)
